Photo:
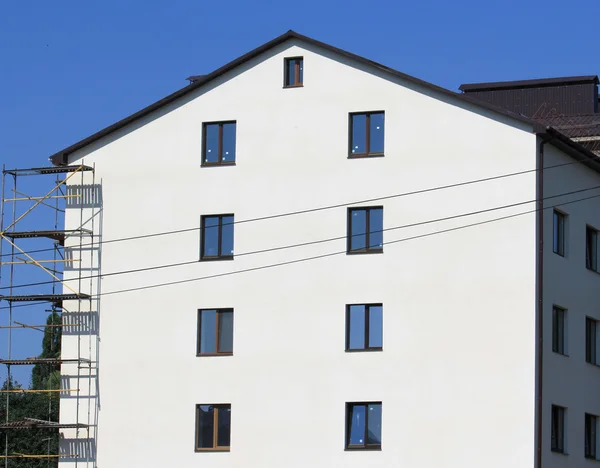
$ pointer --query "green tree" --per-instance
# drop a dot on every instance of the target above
(42, 374)
(34, 405)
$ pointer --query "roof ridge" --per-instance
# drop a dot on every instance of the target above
(60, 158)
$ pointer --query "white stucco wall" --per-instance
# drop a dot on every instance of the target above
(569, 381)
(456, 376)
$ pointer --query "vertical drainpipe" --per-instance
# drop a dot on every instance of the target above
(539, 310)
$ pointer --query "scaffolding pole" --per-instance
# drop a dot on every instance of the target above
(20, 258)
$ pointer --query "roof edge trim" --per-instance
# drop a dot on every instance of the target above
(60, 158)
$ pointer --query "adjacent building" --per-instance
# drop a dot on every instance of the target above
(310, 259)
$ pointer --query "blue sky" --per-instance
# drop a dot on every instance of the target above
(69, 68)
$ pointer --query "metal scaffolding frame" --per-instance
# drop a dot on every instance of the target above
(10, 219)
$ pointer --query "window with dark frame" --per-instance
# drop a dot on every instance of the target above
(363, 426)
(558, 244)
(218, 143)
(216, 237)
(215, 332)
(294, 72)
(592, 347)
(558, 330)
(367, 134)
(591, 436)
(213, 428)
(558, 429)
(364, 327)
(591, 248)
(365, 230)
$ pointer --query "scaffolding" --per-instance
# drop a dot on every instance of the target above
(74, 202)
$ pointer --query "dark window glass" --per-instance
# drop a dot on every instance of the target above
(363, 426)
(591, 248)
(294, 71)
(375, 326)
(376, 132)
(376, 229)
(211, 236)
(215, 331)
(226, 331)
(558, 429)
(358, 230)
(358, 424)
(367, 134)
(558, 245)
(211, 144)
(205, 426)
(365, 232)
(208, 325)
(364, 327)
(359, 134)
(217, 237)
(356, 327)
(213, 427)
(591, 341)
(374, 425)
(227, 236)
(219, 143)
(558, 330)
(228, 152)
(224, 422)
(591, 434)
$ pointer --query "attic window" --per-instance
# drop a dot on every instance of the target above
(294, 72)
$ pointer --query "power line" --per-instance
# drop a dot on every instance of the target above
(345, 251)
(320, 241)
(327, 207)
(171, 283)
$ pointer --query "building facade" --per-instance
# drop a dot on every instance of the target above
(334, 264)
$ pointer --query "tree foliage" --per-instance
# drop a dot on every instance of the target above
(34, 405)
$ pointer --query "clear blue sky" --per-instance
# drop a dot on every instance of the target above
(70, 67)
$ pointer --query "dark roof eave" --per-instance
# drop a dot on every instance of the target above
(495, 85)
(572, 148)
(61, 157)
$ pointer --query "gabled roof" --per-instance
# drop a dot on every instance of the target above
(60, 158)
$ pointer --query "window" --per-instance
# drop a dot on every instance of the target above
(558, 330)
(592, 345)
(363, 426)
(366, 134)
(364, 327)
(558, 245)
(591, 248)
(213, 427)
(218, 144)
(591, 436)
(217, 237)
(215, 332)
(294, 72)
(365, 230)
(558, 429)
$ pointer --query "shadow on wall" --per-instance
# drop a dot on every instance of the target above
(73, 255)
(69, 385)
(80, 323)
(84, 196)
(85, 450)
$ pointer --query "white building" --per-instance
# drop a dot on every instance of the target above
(462, 361)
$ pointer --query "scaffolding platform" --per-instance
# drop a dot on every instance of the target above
(33, 361)
(58, 236)
(75, 201)
(31, 423)
(47, 170)
(56, 299)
